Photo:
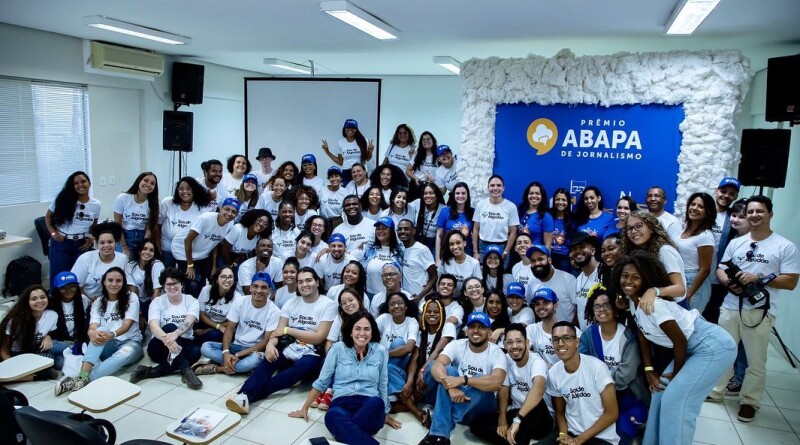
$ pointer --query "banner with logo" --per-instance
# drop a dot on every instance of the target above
(623, 150)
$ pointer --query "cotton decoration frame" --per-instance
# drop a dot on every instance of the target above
(711, 86)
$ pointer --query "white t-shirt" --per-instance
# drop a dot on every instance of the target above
(335, 291)
(374, 268)
(429, 167)
(399, 156)
(283, 295)
(350, 152)
(775, 254)
(69, 313)
(495, 219)
(673, 263)
(380, 298)
(583, 285)
(650, 325)
(248, 268)
(491, 282)
(308, 316)
(90, 269)
(240, 244)
(308, 261)
(581, 393)
(448, 331)
(373, 216)
(315, 183)
(82, 219)
(283, 242)
(410, 214)
(469, 268)
(353, 189)
(429, 218)
(524, 316)
(110, 318)
(216, 312)
(230, 183)
(220, 191)
(134, 215)
(390, 331)
(446, 177)
(47, 323)
(474, 364)
(522, 273)
(300, 220)
(252, 322)
(542, 344)
(165, 312)
(331, 271)
(356, 235)
(335, 334)
(671, 224)
(416, 260)
(688, 248)
(136, 276)
(262, 177)
(175, 220)
(331, 202)
(612, 349)
(717, 229)
(268, 203)
(209, 235)
(564, 285)
(519, 379)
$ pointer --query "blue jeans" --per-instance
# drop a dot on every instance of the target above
(398, 368)
(446, 413)
(703, 294)
(157, 351)
(213, 350)
(134, 240)
(673, 412)
(168, 259)
(213, 334)
(355, 419)
(202, 271)
(63, 255)
(57, 351)
(111, 356)
(740, 365)
(262, 382)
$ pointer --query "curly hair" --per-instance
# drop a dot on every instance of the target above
(419, 157)
(64, 207)
(649, 266)
(658, 238)
(232, 161)
(200, 196)
(21, 322)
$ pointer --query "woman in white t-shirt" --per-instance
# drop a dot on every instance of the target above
(493, 271)
(144, 274)
(240, 242)
(473, 298)
(215, 301)
(454, 259)
(307, 203)
(70, 306)
(373, 203)
(285, 234)
(272, 196)
(247, 194)
(387, 177)
(401, 148)
(353, 275)
(496, 220)
(26, 328)
(703, 351)
(352, 148)
(302, 249)
(136, 211)
(360, 182)
(399, 207)
(308, 166)
(237, 166)
(316, 225)
(696, 246)
(399, 331)
(115, 338)
(424, 166)
(289, 289)
(179, 211)
(383, 249)
(91, 266)
(429, 206)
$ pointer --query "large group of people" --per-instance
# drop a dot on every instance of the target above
(392, 291)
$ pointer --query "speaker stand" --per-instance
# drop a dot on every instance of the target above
(785, 349)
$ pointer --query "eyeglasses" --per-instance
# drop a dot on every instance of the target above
(636, 227)
(172, 284)
(226, 277)
(389, 275)
(750, 253)
(397, 304)
(563, 339)
(602, 307)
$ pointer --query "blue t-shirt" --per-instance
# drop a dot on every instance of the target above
(598, 226)
(537, 225)
(612, 228)
(462, 224)
(560, 238)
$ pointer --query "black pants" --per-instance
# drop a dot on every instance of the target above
(202, 272)
(160, 353)
(711, 312)
(536, 425)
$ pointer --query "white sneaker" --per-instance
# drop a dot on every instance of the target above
(238, 403)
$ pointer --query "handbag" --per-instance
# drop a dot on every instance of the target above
(72, 363)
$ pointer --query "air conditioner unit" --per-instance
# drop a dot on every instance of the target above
(127, 60)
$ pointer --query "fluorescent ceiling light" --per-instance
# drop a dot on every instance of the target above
(688, 15)
(290, 66)
(448, 63)
(358, 18)
(98, 21)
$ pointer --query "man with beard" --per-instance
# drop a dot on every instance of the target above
(583, 394)
(545, 305)
(561, 283)
(582, 251)
(527, 417)
(724, 195)
(453, 312)
(656, 199)
(262, 262)
(419, 269)
(466, 375)
(330, 266)
(354, 228)
(212, 175)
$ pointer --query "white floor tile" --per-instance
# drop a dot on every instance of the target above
(151, 390)
(793, 417)
(317, 429)
(141, 424)
(294, 401)
(411, 431)
(32, 389)
(766, 417)
(716, 432)
(716, 410)
(783, 381)
(785, 398)
(754, 435)
(273, 428)
(178, 401)
(780, 364)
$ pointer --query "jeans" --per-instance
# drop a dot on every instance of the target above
(111, 356)
(355, 419)
(212, 335)
(446, 413)
(213, 351)
(398, 368)
(429, 395)
(168, 259)
(63, 255)
(262, 382)
(537, 424)
(57, 351)
(202, 271)
(701, 297)
(710, 352)
(157, 351)
(134, 240)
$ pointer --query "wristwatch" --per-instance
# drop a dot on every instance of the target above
(517, 419)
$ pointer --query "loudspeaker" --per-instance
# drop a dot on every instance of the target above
(178, 130)
(765, 157)
(187, 83)
(783, 89)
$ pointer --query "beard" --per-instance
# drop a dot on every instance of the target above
(541, 272)
(579, 264)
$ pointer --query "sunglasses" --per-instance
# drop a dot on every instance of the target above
(750, 253)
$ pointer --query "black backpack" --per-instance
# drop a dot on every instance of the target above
(10, 432)
(21, 273)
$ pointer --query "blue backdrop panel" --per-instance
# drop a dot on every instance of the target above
(622, 149)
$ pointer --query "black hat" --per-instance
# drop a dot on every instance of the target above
(265, 152)
(583, 237)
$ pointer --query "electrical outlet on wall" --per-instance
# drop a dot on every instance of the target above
(102, 180)
(112, 179)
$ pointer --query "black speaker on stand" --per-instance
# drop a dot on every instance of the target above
(187, 83)
(177, 130)
(765, 157)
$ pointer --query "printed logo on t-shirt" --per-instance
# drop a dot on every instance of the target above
(521, 386)
(547, 349)
(471, 371)
(134, 216)
(213, 237)
(486, 214)
(753, 257)
(214, 311)
(611, 361)
(253, 324)
(181, 224)
(576, 393)
(302, 320)
(175, 319)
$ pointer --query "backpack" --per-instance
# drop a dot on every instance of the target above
(21, 273)
(10, 432)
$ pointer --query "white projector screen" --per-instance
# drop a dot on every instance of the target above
(293, 115)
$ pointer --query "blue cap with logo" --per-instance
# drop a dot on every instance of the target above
(232, 202)
(545, 294)
(334, 170)
(308, 159)
(440, 150)
(515, 289)
(65, 278)
(537, 248)
(384, 221)
(351, 123)
(263, 276)
(337, 238)
(730, 181)
(249, 177)
(479, 317)
(494, 248)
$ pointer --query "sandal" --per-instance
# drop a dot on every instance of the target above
(426, 419)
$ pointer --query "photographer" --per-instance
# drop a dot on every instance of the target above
(746, 313)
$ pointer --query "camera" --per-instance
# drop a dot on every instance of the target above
(755, 291)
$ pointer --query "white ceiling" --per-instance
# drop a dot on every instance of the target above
(241, 33)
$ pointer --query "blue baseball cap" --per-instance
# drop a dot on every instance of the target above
(249, 177)
(334, 171)
(479, 317)
(337, 238)
(537, 248)
(441, 149)
(545, 293)
(384, 221)
(65, 278)
(308, 159)
(493, 248)
(263, 276)
(233, 202)
(351, 123)
(730, 181)
(516, 289)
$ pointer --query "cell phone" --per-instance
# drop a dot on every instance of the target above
(319, 441)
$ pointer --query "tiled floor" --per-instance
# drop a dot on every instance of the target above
(163, 400)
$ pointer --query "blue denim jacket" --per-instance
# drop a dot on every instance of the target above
(351, 376)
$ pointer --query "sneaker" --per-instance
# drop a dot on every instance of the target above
(190, 378)
(325, 403)
(713, 399)
(143, 372)
(79, 384)
(430, 439)
(317, 401)
(746, 413)
(733, 388)
(64, 385)
(204, 369)
(238, 403)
